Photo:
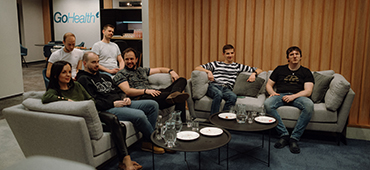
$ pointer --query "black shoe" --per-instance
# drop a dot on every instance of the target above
(281, 143)
(293, 146)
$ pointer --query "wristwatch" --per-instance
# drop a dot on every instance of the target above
(169, 71)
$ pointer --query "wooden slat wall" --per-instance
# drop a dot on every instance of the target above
(333, 35)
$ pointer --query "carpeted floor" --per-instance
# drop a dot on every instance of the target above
(318, 151)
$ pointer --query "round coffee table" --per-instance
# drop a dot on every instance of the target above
(203, 143)
(244, 127)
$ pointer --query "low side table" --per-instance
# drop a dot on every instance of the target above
(244, 127)
(203, 143)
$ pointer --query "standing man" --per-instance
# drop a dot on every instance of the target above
(133, 80)
(108, 52)
(109, 98)
(294, 84)
(67, 53)
(222, 76)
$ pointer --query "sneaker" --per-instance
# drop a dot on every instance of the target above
(293, 146)
(170, 151)
(281, 143)
(177, 97)
(147, 146)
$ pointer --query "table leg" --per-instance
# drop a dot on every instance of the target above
(153, 156)
(268, 164)
(199, 160)
(227, 156)
(263, 139)
(219, 156)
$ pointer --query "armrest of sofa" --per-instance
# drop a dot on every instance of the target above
(40, 133)
(344, 110)
(190, 99)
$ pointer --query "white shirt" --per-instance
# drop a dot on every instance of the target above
(72, 57)
(108, 53)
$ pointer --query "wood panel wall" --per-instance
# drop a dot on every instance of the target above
(333, 35)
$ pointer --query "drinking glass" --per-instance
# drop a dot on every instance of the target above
(195, 126)
(234, 109)
(241, 116)
(250, 117)
(254, 114)
(189, 121)
(171, 137)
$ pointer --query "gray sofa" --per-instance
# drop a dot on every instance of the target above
(69, 130)
(332, 94)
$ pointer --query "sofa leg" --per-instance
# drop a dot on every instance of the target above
(337, 137)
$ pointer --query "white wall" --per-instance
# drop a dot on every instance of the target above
(10, 59)
(86, 27)
(33, 30)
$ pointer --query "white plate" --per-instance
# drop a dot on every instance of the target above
(211, 131)
(227, 115)
(265, 119)
(187, 135)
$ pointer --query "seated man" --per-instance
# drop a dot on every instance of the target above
(222, 76)
(108, 52)
(133, 80)
(294, 84)
(109, 98)
(67, 53)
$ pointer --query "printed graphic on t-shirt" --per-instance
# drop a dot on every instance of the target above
(291, 79)
(103, 87)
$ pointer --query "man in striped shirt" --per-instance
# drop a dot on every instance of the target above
(222, 76)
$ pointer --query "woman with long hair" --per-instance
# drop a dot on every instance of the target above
(62, 87)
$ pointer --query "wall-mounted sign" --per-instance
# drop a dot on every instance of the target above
(75, 18)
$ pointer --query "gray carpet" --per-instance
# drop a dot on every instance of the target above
(318, 152)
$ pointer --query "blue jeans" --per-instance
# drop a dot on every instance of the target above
(142, 113)
(303, 103)
(217, 93)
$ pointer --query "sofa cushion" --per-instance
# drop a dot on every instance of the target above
(85, 109)
(321, 114)
(102, 145)
(199, 81)
(244, 88)
(160, 80)
(253, 104)
(338, 89)
(320, 87)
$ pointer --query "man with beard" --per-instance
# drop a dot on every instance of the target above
(67, 53)
(108, 52)
(133, 80)
(294, 84)
(109, 98)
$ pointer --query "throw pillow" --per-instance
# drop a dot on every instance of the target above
(320, 87)
(244, 88)
(199, 82)
(160, 80)
(33, 94)
(338, 89)
(85, 109)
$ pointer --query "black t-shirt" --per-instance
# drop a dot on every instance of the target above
(287, 81)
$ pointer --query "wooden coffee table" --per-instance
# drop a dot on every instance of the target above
(203, 143)
(245, 127)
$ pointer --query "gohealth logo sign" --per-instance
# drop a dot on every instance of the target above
(73, 18)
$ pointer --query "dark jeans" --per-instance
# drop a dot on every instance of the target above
(118, 133)
(178, 85)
